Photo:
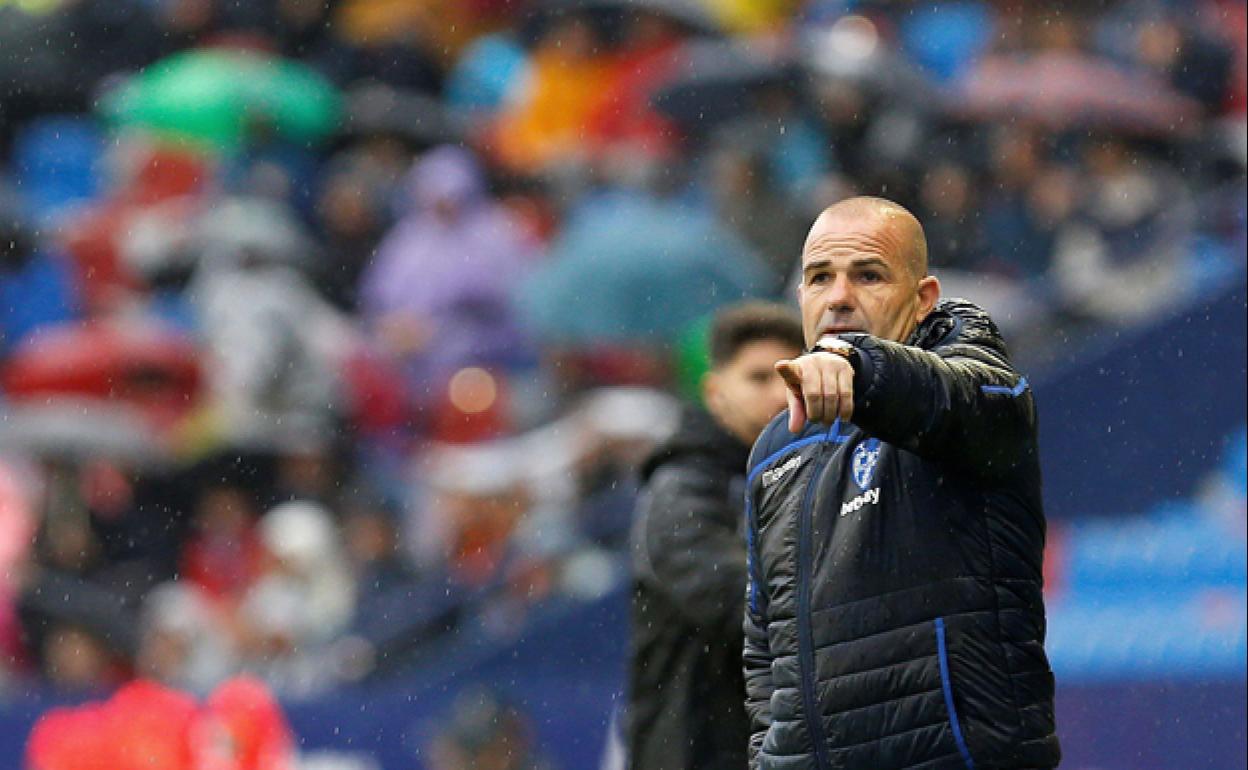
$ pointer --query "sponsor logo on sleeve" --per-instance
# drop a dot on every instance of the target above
(775, 474)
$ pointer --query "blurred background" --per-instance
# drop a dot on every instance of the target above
(332, 331)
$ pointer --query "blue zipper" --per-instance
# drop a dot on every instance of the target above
(805, 638)
(946, 684)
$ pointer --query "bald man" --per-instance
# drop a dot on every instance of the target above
(895, 528)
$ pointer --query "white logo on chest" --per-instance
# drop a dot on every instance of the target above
(866, 456)
(870, 497)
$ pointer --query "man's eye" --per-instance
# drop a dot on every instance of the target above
(818, 278)
(870, 276)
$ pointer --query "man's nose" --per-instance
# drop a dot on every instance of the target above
(777, 393)
(840, 295)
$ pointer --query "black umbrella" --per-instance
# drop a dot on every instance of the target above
(718, 81)
(373, 108)
(54, 598)
(607, 15)
(36, 66)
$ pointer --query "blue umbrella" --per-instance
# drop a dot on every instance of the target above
(633, 269)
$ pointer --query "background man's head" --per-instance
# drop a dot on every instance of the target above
(864, 269)
(742, 390)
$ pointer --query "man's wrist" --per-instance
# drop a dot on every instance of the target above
(856, 347)
(830, 343)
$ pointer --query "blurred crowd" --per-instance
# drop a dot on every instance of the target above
(330, 330)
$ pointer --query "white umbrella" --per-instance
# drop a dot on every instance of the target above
(80, 430)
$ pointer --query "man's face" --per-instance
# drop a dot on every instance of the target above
(746, 392)
(856, 277)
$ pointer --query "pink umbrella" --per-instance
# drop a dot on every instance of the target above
(1067, 90)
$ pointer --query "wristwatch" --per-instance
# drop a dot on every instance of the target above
(830, 343)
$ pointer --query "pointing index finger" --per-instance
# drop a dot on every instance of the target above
(790, 371)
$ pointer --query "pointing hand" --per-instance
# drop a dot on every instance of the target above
(821, 388)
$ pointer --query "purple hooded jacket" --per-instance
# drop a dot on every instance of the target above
(454, 261)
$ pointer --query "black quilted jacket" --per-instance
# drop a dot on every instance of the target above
(687, 706)
(894, 612)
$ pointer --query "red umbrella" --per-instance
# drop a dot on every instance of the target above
(147, 366)
(1065, 90)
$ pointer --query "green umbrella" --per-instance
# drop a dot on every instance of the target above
(218, 96)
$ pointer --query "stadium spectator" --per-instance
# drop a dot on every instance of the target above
(275, 343)
(351, 208)
(546, 123)
(486, 732)
(748, 199)
(300, 603)
(438, 295)
(1119, 258)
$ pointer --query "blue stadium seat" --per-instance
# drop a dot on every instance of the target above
(1159, 595)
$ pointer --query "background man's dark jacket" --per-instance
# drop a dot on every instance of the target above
(895, 616)
(687, 694)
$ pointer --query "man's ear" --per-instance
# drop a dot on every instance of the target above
(929, 293)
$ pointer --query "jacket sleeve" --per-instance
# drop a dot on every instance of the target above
(685, 549)
(960, 403)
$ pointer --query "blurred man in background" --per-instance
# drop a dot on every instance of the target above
(689, 557)
(894, 613)
(486, 731)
